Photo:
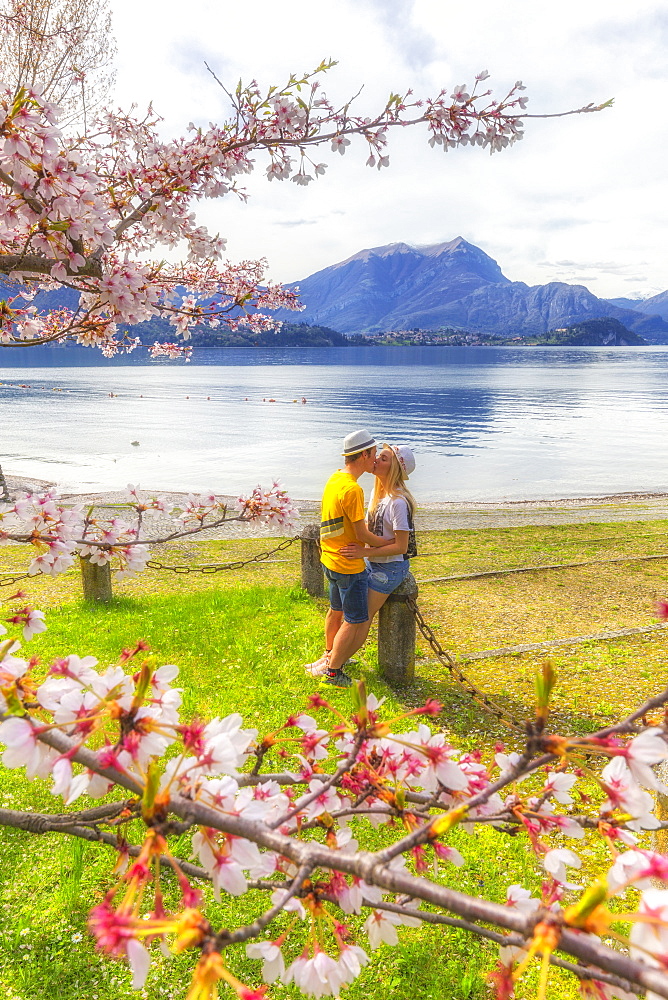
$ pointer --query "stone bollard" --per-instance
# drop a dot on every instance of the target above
(396, 635)
(96, 581)
(313, 580)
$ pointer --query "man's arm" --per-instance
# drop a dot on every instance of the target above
(365, 537)
(397, 546)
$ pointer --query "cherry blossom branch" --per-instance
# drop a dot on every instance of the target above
(56, 822)
(106, 546)
(72, 826)
(366, 865)
(64, 745)
(94, 208)
(60, 532)
(31, 263)
(505, 940)
(226, 938)
(134, 719)
(323, 786)
(425, 833)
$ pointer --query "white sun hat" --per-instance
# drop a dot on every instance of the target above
(356, 442)
(406, 459)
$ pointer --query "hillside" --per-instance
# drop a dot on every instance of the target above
(289, 335)
(592, 333)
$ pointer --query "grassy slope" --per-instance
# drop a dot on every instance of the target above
(240, 640)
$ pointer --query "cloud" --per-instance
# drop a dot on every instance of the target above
(584, 192)
(296, 222)
(416, 45)
(607, 267)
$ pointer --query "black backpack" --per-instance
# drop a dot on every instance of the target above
(412, 549)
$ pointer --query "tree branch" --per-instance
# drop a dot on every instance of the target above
(225, 938)
(366, 865)
(33, 263)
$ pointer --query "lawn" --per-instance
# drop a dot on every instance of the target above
(240, 639)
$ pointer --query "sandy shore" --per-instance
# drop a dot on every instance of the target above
(438, 515)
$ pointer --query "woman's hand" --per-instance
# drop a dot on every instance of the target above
(352, 551)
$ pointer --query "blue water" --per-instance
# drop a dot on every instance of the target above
(485, 423)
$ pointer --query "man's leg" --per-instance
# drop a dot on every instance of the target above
(355, 626)
(349, 638)
(333, 622)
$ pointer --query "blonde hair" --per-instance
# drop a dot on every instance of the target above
(395, 487)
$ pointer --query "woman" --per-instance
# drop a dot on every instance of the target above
(390, 515)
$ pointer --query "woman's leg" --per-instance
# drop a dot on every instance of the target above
(376, 601)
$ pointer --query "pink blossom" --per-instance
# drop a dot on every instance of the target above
(460, 94)
(521, 899)
(381, 926)
(140, 961)
(555, 862)
(352, 960)
(67, 785)
(272, 957)
(651, 936)
(646, 750)
(558, 785)
(624, 794)
(23, 750)
(447, 853)
(326, 801)
(637, 868)
(318, 976)
(351, 897)
(32, 621)
(293, 905)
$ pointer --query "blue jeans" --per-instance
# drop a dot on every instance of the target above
(348, 593)
(386, 577)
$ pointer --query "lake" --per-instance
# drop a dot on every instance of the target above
(485, 423)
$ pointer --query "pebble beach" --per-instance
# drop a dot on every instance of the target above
(434, 516)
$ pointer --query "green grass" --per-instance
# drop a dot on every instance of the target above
(240, 639)
(235, 648)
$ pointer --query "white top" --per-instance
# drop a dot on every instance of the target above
(391, 515)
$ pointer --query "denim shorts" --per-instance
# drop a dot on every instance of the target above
(386, 577)
(348, 593)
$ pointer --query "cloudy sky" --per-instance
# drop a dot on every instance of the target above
(580, 199)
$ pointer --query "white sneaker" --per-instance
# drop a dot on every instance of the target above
(319, 667)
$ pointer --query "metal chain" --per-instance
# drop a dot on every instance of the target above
(458, 675)
(8, 581)
(218, 567)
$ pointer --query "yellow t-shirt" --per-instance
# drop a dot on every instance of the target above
(342, 503)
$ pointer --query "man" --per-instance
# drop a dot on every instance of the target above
(347, 620)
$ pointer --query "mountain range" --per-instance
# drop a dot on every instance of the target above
(456, 284)
(657, 305)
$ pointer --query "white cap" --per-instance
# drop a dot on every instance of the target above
(406, 459)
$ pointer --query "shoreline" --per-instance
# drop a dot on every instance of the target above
(433, 515)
